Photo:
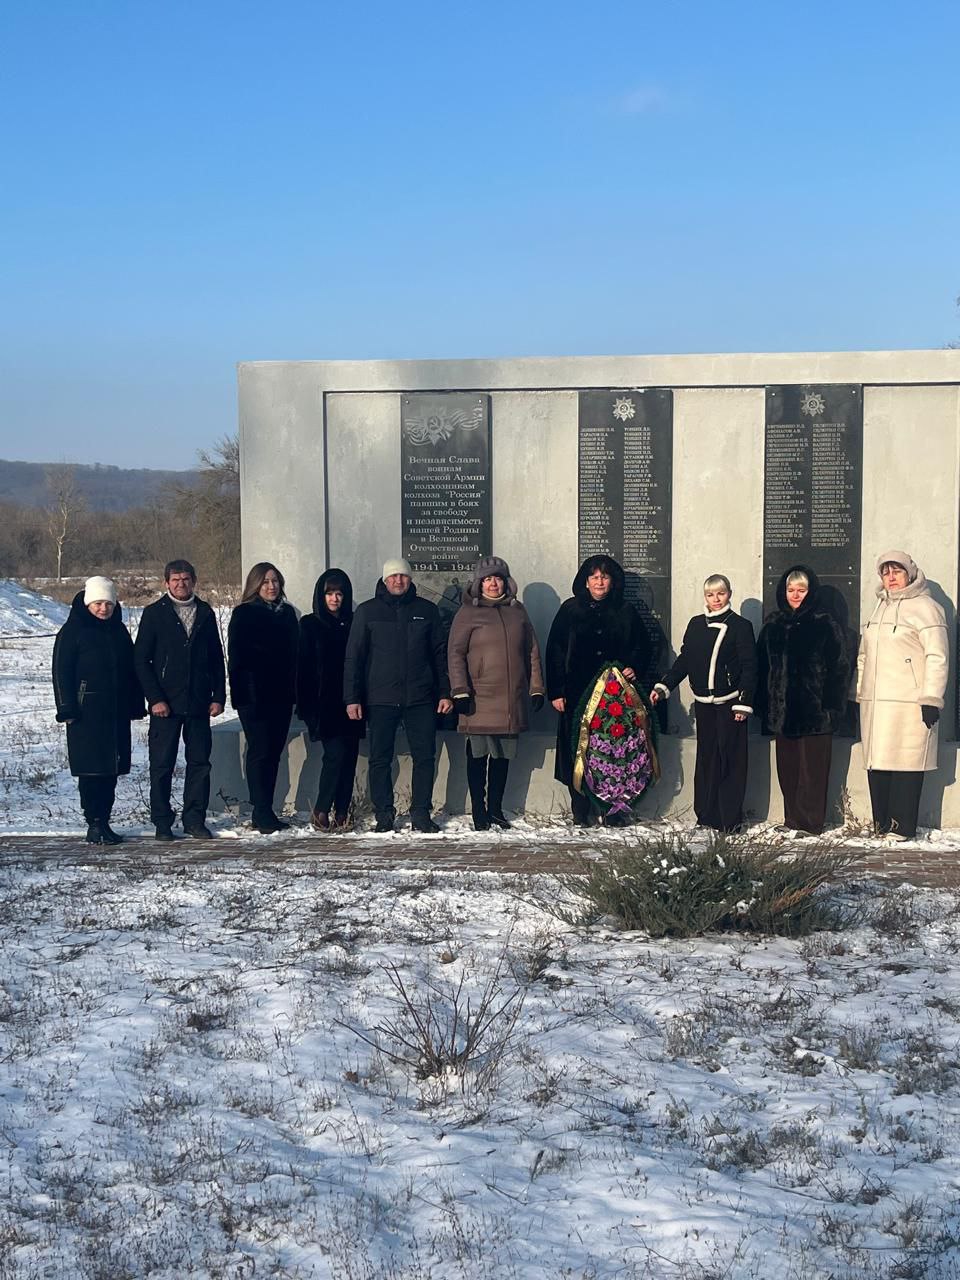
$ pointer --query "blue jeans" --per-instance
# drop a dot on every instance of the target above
(419, 724)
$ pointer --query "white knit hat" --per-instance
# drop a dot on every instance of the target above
(902, 558)
(95, 589)
(396, 566)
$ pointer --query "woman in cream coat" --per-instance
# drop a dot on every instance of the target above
(901, 680)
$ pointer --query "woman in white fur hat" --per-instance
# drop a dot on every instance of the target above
(901, 681)
(97, 695)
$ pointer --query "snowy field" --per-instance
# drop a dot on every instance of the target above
(225, 1071)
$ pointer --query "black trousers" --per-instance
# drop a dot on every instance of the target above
(337, 774)
(266, 735)
(97, 792)
(419, 724)
(803, 771)
(720, 776)
(163, 741)
(895, 800)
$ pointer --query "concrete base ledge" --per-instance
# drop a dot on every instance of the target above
(531, 787)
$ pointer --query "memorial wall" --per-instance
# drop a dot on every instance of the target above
(678, 466)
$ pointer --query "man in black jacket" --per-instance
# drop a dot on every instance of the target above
(395, 672)
(179, 662)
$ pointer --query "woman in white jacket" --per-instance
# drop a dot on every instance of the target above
(901, 680)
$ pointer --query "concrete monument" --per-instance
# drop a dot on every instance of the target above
(680, 465)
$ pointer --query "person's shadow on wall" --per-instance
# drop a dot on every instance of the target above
(833, 601)
(935, 783)
(756, 803)
(541, 603)
(308, 783)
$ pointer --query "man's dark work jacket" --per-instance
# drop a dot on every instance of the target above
(397, 652)
(184, 672)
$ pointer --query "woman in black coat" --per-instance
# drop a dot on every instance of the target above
(97, 695)
(803, 683)
(262, 666)
(596, 627)
(323, 643)
(719, 657)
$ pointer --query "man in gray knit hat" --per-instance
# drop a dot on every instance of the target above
(395, 672)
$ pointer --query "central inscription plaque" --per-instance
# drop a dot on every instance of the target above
(813, 471)
(445, 491)
(625, 483)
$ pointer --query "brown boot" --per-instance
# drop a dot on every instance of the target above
(320, 820)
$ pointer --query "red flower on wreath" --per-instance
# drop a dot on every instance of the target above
(603, 704)
(617, 731)
(612, 686)
(615, 709)
(596, 722)
(628, 700)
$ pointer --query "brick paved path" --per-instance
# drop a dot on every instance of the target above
(513, 854)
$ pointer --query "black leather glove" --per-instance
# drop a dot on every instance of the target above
(536, 701)
(930, 715)
(466, 704)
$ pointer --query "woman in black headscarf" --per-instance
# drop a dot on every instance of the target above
(97, 695)
(594, 628)
(323, 642)
(803, 682)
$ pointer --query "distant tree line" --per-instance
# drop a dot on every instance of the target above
(64, 538)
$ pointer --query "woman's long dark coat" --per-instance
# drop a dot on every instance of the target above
(803, 667)
(262, 657)
(323, 643)
(96, 689)
(585, 635)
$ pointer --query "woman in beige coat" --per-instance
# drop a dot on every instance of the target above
(494, 665)
(901, 680)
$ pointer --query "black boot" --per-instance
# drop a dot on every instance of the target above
(581, 810)
(107, 834)
(477, 782)
(497, 786)
(100, 832)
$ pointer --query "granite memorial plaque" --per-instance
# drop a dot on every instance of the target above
(812, 492)
(445, 491)
(625, 497)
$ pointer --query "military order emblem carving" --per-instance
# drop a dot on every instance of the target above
(623, 408)
(433, 427)
(812, 404)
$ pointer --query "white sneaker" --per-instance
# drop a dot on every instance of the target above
(894, 837)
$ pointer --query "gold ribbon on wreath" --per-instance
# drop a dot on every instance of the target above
(589, 711)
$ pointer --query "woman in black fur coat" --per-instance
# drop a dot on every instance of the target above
(323, 643)
(596, 626)
(262, 665)
(719, 657)
(803, 681)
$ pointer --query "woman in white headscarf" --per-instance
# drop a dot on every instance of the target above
(901, 680)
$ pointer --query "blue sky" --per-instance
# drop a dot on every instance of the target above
(192, 184)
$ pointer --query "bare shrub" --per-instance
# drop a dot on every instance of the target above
(439, 1028)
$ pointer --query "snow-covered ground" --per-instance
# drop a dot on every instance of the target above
(216, 1072)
